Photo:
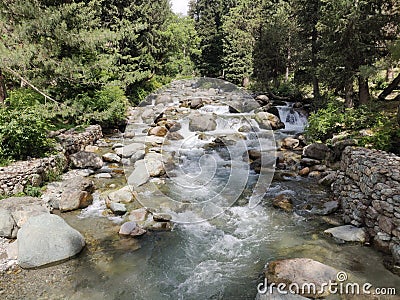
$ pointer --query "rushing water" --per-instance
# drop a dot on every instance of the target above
(218, 258)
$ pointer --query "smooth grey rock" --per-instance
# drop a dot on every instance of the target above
(300, 271)
(348, 233)
(76, 193)
(200, 122)
(129, 150)
(154, 164)
(8, 227)
(138, 215)
(328, 179)
(316, 151)
(84, 159)
(327, 208)
(122, 195)
(131, 229)
(196, 103)
(140, 175)
(47, 239)
(138, 156)
(118, 208)
(111, 157)
(22, 208)
(309, 162)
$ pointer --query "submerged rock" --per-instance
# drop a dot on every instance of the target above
(348, 233)
(283, 202)
(131, 229)
(47, 239)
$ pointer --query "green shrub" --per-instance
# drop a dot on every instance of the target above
(106, 107)
(33, 191)
(23, 97)
(334, 119)
(23, 133)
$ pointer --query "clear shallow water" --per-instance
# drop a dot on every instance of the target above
(220, 259)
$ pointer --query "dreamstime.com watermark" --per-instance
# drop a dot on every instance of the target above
(340, 286)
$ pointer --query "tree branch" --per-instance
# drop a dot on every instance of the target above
(30, 84)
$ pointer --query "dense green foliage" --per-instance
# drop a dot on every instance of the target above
(318, 42)
(91, 57)
(370, 127)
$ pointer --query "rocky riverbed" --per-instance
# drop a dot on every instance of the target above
(141, 201)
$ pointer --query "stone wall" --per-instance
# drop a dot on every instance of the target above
(73, 142)
(368, 189)
(15, 177)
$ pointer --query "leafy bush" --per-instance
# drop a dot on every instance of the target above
(22, 98)
(106, 107)
(23, 133)
(334, 119)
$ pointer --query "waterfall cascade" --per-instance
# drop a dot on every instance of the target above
(294, 120)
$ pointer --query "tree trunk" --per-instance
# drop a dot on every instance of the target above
(314, 52)
(393, 85)
(363, 90)
(3, 91)
(398, 115)
(348, 90)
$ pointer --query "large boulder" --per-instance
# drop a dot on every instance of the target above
(268, 121)
(199, 122)
(84, 159)
(76, 193)
(22, 208)
(8, 227)
(302, 272)
(317, 151)
(47, 239)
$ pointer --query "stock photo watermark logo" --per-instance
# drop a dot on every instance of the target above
(198, 135)
(340, 286)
